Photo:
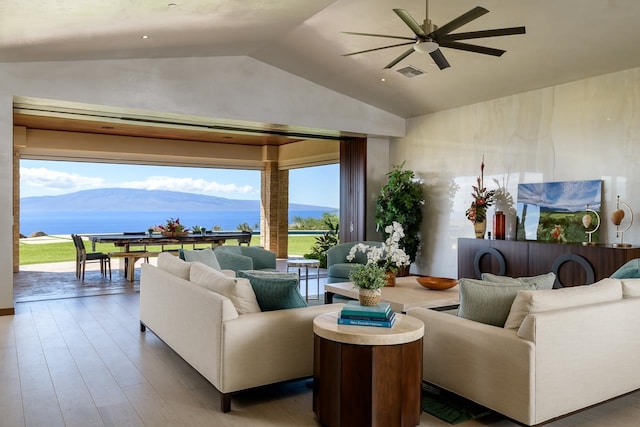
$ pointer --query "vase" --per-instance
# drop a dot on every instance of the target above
(369, 297)
(403, 271)
(480, 227)
(390, 278)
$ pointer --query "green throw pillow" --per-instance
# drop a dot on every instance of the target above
(630, 270)
(274, 290)
(488, 302)
(543, 281)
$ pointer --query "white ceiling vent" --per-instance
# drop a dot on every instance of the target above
(410, 71)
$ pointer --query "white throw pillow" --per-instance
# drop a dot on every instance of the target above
(247, 302)
(218, 282)
(630, 288)
(527, 302)
(174, 265)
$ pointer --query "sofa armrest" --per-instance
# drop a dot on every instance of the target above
(267, 347)
(263, 259)
(487, 364)
(187, 317)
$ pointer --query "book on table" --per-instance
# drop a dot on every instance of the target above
(378, 322)
(354, 309)
(355, 314)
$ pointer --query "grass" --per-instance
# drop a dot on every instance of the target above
(64, 251)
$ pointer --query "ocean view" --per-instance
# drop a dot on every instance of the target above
(96, 222)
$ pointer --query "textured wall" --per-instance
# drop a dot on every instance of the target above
(583, 130)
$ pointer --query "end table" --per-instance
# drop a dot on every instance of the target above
(367, 376)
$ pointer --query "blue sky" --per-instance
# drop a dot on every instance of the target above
(318, 185)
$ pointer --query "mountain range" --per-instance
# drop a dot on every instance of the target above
(119, 199)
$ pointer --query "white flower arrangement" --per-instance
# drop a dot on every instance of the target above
(389, 255)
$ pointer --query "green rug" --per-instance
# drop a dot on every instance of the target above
(450, 407)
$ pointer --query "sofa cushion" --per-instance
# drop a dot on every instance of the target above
(543, 281)
(630, 288)
(206, 256)
(488, 302)
(222, 284)
(174, 265)
(246, 297)
(274, 290)
(527, 302)
(630, 270)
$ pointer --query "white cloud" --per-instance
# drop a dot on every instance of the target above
(189, 185)
(43, 181)
(57, 182)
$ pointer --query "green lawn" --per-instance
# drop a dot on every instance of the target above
(64, 251)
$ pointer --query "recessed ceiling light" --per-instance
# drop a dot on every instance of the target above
(145, 37)
(383, 79)
(172, 5)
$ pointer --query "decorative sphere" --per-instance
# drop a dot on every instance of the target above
(617, 216)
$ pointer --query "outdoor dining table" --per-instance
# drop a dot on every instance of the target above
(126, 240)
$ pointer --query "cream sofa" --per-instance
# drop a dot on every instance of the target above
(560, 351)
(233, 351)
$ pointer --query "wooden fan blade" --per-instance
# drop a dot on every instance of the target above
(471, 48)
(474, 13)
(399, 58)
(377, 48)
(411, 23)
(439, 59)
(380, 35)
(485, 33)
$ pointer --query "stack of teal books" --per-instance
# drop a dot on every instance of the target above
(361, 315)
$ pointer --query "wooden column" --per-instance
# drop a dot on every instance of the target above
(353, 189)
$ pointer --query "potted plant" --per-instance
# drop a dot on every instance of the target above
(401, 200)
(390, 256)
(173, 228)
(369, 278)
(482, 199)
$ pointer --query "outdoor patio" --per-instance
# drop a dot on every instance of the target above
(39, 282)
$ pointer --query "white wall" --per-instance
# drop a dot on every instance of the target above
(238, 88)
(583, 130)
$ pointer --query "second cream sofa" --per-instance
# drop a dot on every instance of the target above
(560, 351)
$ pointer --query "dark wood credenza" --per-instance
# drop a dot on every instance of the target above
(574, 264)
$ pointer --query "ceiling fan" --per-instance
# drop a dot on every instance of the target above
(429, 38)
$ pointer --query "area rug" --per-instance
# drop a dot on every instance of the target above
(450, 407)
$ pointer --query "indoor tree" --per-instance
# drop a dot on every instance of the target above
(401, 200)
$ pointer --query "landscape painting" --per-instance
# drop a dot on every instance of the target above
(557, 211)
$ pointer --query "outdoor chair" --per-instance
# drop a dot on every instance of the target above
(82, 257)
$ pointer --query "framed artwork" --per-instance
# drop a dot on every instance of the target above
(557, 211)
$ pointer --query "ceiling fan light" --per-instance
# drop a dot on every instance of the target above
(425, 47)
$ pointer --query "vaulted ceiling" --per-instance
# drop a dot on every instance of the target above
(565, 40)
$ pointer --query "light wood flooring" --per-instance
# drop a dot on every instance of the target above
(84, 362)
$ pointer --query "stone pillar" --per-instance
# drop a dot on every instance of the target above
(274, 206)
(19, 140)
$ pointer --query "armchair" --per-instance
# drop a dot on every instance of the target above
(238, 258)
(338, 267)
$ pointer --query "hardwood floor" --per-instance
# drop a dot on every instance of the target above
(84, 362)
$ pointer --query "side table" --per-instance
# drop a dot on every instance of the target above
(306, 263)
(367, 376)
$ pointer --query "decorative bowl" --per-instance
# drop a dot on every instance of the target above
(437, 283)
